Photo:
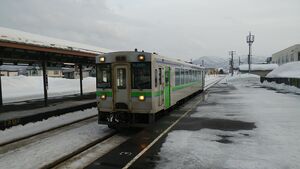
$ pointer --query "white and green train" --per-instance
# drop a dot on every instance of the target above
(133, 87)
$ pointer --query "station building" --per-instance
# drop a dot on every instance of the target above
(289, 54)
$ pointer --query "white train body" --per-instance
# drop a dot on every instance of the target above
(132, 87)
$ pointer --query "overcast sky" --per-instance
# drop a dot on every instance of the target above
(177, 28)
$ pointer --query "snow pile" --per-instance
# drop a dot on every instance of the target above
(241, 79)
(257, 67)
(288, 70)
(13, 35)
(19, 88)
(281, 87)
(33, 128)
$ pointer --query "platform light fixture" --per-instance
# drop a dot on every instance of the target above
(102, 59)
(141, 98)
(141, 58)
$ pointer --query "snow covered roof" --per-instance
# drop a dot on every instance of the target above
(291, 70)
(244, 67)
(16, 36)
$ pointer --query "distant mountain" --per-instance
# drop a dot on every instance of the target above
(223, 62)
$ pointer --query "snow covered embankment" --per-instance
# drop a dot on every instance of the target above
(20, 88)
(288, 70)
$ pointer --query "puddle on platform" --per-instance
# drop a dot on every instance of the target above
(224, 139)
(218, 124)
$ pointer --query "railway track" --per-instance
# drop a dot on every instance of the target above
(78, 151)
(45, 131)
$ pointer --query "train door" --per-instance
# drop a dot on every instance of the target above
(121, 87)
(161, 85)
(167, 89)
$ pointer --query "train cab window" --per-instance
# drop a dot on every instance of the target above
(121, 78)
(141, 75)
(155, 79)
(103, 75)
(160, 76)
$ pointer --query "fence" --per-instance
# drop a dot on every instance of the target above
(288, 81)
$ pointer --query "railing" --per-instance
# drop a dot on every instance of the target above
(288, 81)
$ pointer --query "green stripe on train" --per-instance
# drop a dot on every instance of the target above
(184, 85)
(106, 93)
(148, 94)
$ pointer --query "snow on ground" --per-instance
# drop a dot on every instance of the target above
(273, 144)
(41, 152)
(281, 87)
(13, 35)
(20, 88)
(211, 78)
(245, 67)
(291, 70)
(36, 127)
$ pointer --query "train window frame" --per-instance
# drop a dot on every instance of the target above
(100, 69)
(147, 79)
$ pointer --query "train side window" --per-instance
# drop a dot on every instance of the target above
(190, 75)
(177, 76)
(155, 80)
(159, 74)
(181, 76)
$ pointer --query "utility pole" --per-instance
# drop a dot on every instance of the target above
(250, 40)
(239, 60)
(231, 53)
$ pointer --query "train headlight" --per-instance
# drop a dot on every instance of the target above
(103, 97)
(141, 98)
(102, 59)
(141, 58)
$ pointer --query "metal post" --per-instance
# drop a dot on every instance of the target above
(80, 74)
(231, 61)
(239, 61)
(1, 100)
(250, 40)
(45, 81)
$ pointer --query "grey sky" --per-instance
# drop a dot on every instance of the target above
(176, 28)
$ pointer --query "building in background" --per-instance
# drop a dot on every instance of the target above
(289, 54)
(72, 73)
(51, 71)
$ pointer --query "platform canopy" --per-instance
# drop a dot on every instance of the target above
(27, 47)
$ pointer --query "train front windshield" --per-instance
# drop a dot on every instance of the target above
(104, 76)
(141, 75)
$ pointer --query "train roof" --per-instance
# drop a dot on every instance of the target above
(177, 61)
